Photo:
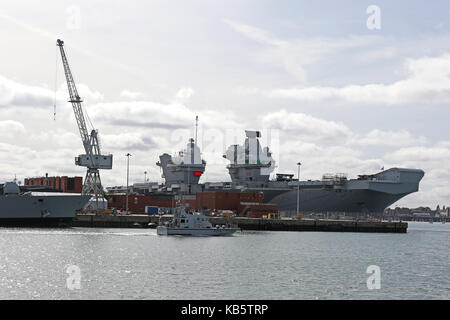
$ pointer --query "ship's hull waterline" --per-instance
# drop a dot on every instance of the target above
(195, 232)
(332, 201)
(40, 209)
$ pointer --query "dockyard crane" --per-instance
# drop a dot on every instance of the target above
(93, 159)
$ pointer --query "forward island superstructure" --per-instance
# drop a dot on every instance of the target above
(183, 171)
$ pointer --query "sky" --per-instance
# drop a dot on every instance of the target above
(340, 86)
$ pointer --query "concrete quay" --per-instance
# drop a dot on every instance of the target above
(244, 223)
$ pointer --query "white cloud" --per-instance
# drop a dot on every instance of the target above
(150, 115)
(256, 34)
(302, 126)
(19, 95)
(14, 94)
(307, 128)
(294, 55)
(142, 114)
(87, 94)
(127, 141)
(11, 129)
(377, 54)
(390, 138)
(433, 159)
(184, 94)
(428, 81)
(57, 138)
(131, 95)
(15, 158)
(434, 155)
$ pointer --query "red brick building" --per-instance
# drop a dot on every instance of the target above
(62, 184)
(248, 204)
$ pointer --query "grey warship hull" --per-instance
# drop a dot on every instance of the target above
(40, 208)
(371, 194)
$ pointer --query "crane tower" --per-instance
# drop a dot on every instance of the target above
(93, 159)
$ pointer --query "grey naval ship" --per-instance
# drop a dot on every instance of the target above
(250, 168)
(23, 207)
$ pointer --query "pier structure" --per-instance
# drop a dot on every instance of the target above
(245, 223)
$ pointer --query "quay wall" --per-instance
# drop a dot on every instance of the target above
(244, 223)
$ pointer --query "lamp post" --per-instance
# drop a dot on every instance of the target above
(128, 173)
(145, 176)
(298, 188)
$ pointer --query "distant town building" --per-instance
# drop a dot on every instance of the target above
(421, 215)
(445, 212)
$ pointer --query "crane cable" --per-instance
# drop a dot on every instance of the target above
(89, 119)
(56, 82)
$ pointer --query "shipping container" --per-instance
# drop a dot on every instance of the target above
(151, 210)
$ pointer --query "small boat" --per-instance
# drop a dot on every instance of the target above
(192, 224)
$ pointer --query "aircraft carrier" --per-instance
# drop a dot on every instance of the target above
(250, 169)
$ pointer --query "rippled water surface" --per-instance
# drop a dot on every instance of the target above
(138, 264)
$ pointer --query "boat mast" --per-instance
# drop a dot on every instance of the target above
(196, 128)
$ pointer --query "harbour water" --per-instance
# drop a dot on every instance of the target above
(138, 264)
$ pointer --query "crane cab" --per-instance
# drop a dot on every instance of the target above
(100, 161)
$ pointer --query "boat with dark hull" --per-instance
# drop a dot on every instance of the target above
(40, 209)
